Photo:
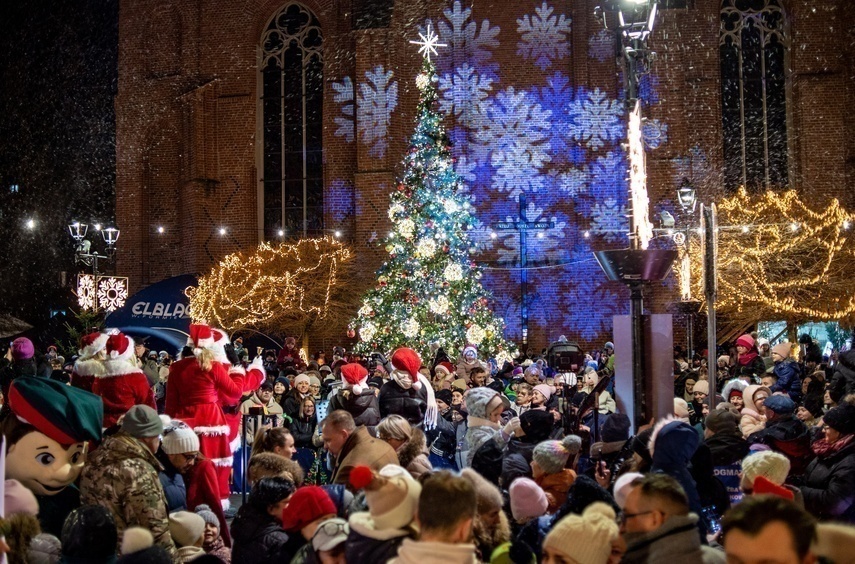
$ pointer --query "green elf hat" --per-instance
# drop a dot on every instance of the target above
(65, 414)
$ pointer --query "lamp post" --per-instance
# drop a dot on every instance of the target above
(84, 254)
(688, 306)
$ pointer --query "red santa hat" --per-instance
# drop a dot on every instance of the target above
(119, 347)
(92, 344)
(201, 336)
(221, 339)
(354, 376)
(443, 369)
(406, 360)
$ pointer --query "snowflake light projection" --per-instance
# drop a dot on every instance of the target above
(112, 292)
(595, 119)
(465, 95)
(466, 40)
(609, 219)
(344, 97)
(547, 245)
(601, 45)
(377, 99)
(544, 37)
(86, 293)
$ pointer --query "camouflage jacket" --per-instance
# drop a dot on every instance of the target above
(121, 475)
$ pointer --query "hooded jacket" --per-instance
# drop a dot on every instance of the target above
(361, 449)
(751, 420)
(258, 537)
(413, 455)
(672, 445)
(727, 449)
(789, 379)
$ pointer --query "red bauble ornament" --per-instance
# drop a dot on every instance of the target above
(382, 284)
(351, 333)
(445, 248)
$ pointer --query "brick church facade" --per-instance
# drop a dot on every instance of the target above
(215, 153)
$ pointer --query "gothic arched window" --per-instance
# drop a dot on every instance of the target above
(292, 86)
(753, 48)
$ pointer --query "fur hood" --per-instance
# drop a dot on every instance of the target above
(735, 384)
(410, 450)
(748, 396)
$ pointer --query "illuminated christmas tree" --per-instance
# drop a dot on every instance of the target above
(428, 291)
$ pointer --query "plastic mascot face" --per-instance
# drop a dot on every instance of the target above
(43, 465)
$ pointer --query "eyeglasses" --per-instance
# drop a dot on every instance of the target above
(624, 517)
(333, 528)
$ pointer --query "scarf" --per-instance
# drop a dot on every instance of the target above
(747, 358)
(823, 449)
(406, 381)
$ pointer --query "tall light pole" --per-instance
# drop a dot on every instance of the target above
(84, 254)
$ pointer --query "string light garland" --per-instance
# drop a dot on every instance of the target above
(781, 260)
(429, 291)
(277, 288)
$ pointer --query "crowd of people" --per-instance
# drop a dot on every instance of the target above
(130, 455)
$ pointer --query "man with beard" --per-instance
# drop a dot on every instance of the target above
(490, 527)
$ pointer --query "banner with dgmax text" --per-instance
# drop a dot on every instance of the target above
(730, 476)
(158, 313)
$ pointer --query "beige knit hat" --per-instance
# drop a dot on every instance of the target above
(186, 528)
(771, 465)
(586, 538)
(392, 495)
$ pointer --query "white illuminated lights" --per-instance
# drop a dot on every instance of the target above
(31, 224)
(428, 43)
(222, 231)
(160, 229)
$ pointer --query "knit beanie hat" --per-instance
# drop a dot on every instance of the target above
(545, 390)
(772, 465)
(552, 456)
(135, 539)
(186, 528)
(782, 349)
(179, 438)
(470, 350)
(722, 421)
(763, 485)
(616, 428)
(681, 409)
(308, 504)
(354, 376)
(702, 386)
(22, 349)
(623, 485)
(745, 341)
(489, 497)
(44, 549)
(444, 396)
(392, 495)
(840, 418)
(596, 526)
(537, 425)
(300, 379)
(18, 499)
(142, 422)
(481, 401)
(527, 499)
(210, 518)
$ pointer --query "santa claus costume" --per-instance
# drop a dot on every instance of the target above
(197, 386)
(90, 361)
(122, 385)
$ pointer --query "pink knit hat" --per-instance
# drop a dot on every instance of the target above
(545, 390)
(527, 499)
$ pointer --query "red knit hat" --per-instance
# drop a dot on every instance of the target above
(308, 504)
(746, 341)
(763, 485)
(408, 361)
(354, 375)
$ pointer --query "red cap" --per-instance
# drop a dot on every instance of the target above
(763, 485)
(354, 373)
(308, 504)
(407, 360)
(201, 335)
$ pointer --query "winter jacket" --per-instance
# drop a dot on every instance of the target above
(258, 538)
(751, 420)
(303, 429)
(479, 432)
(361, 449)
(413, 455)
(121, 475)
(291, 405)
(727, 449)
(219, 550)
(710, 489)
(421, 552)
(172, 482)
(409, 403)
(121, 387)
(465, 368)
(672, 445)
(517, 461)
(675, 541)
(829, 485)
(790, 437)
(844, 373)
(367, 544)
(789, 379)
(556, 486)
(364, 407)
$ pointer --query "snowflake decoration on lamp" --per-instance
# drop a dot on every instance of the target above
(86, 291)
(428, 44)
(112, 292)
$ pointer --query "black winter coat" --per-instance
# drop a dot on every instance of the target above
(360, 548)
(363, 407)
(302, 429)
(790, 437)
(829, 489)
(727, 449)
(409, 404)
(258, 538)
(517, 461)
(291, 405)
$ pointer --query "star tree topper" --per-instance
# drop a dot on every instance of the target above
(428, 43)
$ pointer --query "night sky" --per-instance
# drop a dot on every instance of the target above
(57, 143)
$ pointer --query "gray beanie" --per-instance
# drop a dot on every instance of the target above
(205, 513)
(478, 401)
(552, 456)
(142, 422)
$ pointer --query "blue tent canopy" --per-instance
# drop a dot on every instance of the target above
(159, 313)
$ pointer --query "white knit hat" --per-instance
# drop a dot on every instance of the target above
(596, 526)
(179, 438)
(773, 466)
